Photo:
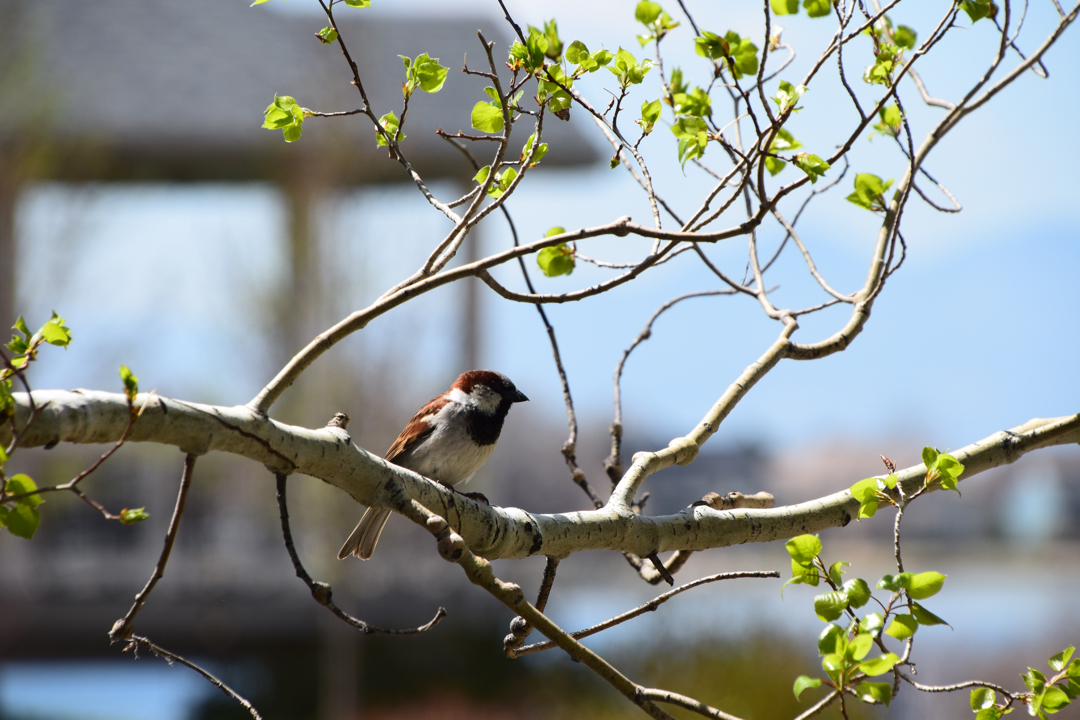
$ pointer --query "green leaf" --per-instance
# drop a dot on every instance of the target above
(742, 59)
(482, 174)
(977, 9)
(902, 627)
(787, 97)
(888, 582)
(556, 260)
(890, 122)
(812, 165)
(836, 571)
(804, 682)
(904, 37)
(627, 69)
(1054, 700)
(711, 45)
(20, 325)
(425, 73)
(358, 3)
(389, 122)
(869, 194)
(646, 12)
(21, 520)
(802, 574)
(554, 44)
(925, 617)
(130, 516)
(858, 647)
(831, 640)
(19, 484)
(803, 548)
(818, 8)
(774, 165)
(1034, 680)
(858, 592)
(55, 332)
(693, 136)
(577, 53)
(696, 102)
(487, 117)
(784, 7)
(833, 665)
(871, 692)
(650, 113)
(991, 713)
(925, 585)
(982, 698)
(829, 606)
(131, 383)
(872, 624)
(327, 35)
(538, 155)
(286, 115)
(879, 665)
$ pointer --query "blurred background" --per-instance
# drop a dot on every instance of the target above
(140, 199)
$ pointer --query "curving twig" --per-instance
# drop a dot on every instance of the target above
(321, 591)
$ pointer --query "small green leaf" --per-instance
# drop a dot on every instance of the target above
(982, 698)
(1059, 661)
(1034, 680)
(888, 582)
(818, 8)
(130, 516)
(833, 665)
(390, 124)
(803, 548)
(286, 115)
(874, 692)
(829, 606)
(787, 97)
(804, 682)
(1054, 700)
(812, 165)
(541, 151)
(487, 117)
(858, 647)
(902, 627)
(577, 53)
(327, 35)
(19, 484)
(836, 571)
(978, 9)
(872, 623)
(879, 665)
(925, 617)
(784, 7)
(991, 713)
(556, 260)
(358, 3)
(858, 592)
(869, 194)
(55, 332)
(131, 383)
(904, 37)
(482, 174)
(647, 12)
(21, 520)
(925, 585)
(831, 640)
(650, 113)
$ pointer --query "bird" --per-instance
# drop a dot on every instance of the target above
(447, 440)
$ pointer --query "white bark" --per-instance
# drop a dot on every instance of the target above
(86, 416)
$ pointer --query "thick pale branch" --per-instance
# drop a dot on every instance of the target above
(492, 532)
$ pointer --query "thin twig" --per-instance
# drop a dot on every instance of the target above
(322, 592)
(121, 629)
(650, 606)
(136, 640)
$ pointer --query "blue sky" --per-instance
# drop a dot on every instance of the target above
(970, 337)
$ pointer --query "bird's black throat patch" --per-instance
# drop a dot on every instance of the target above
(484, 429)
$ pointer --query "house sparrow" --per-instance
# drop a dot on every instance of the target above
(447, 441)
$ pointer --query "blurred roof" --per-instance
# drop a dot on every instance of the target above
(164, 90)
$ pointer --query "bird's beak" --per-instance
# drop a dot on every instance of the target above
(518, 396)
